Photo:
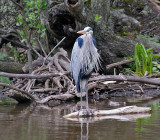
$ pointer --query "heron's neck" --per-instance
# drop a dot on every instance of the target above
(89, 33)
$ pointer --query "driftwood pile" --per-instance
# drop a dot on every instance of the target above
(51, 81)
(50, 78)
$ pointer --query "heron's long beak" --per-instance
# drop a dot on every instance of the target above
(81, 32)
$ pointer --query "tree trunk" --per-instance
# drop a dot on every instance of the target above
(11, 67)
(67, 18)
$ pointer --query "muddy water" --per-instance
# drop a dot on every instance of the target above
(19, 122)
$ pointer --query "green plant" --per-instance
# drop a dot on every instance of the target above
(131, 66)
(143, 60)
(20, 57)
(156, 67)
(97, 18)
(4, 79)
(3, 56)
(15, 54)
(31, 18)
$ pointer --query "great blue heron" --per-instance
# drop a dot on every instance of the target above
(84, 59)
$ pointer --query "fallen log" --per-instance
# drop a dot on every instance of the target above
(119, 111)
(11, 67)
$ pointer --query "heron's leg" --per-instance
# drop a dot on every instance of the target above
(81, 100)
(87, 106)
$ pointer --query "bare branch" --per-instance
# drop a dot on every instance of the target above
(30, 76)
(119, 63)
(56, 47)
(20, 6)
(42, 48)
(145, 80)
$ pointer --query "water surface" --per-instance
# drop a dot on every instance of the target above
(30, 122)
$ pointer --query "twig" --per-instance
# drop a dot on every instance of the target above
(56, 47)
(20, 6)
(43, 90)
(34, 50)
(42, 48)
(119, 63)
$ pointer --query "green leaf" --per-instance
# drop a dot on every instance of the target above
(25, 0)
(39, 26)
(158, 66)
(154, 68)
(18, 24)
(43, 5)
(155, 56)
(4, 79)
(23, 40)
(42, 34)
(154, 62)
(28, 3)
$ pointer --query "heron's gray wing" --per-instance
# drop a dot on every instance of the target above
(75, 62)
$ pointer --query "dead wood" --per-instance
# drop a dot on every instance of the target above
(119, 63)
(62, 97)
(119, 111)
(128, 117)
(11, 67)
(152, 81)
(64, 64)
(19, 90)
(30, 76)
(155, 3)
(51, 77)
(47, 83)
(43, 90)
(55, 60)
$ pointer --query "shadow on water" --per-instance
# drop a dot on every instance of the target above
(39, 122)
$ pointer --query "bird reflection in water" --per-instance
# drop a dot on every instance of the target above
(84, 136)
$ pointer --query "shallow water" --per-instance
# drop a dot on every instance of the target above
(21, 122)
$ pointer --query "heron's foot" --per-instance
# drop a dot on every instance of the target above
(86, 112)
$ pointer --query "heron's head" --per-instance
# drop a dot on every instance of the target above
(86, 30)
